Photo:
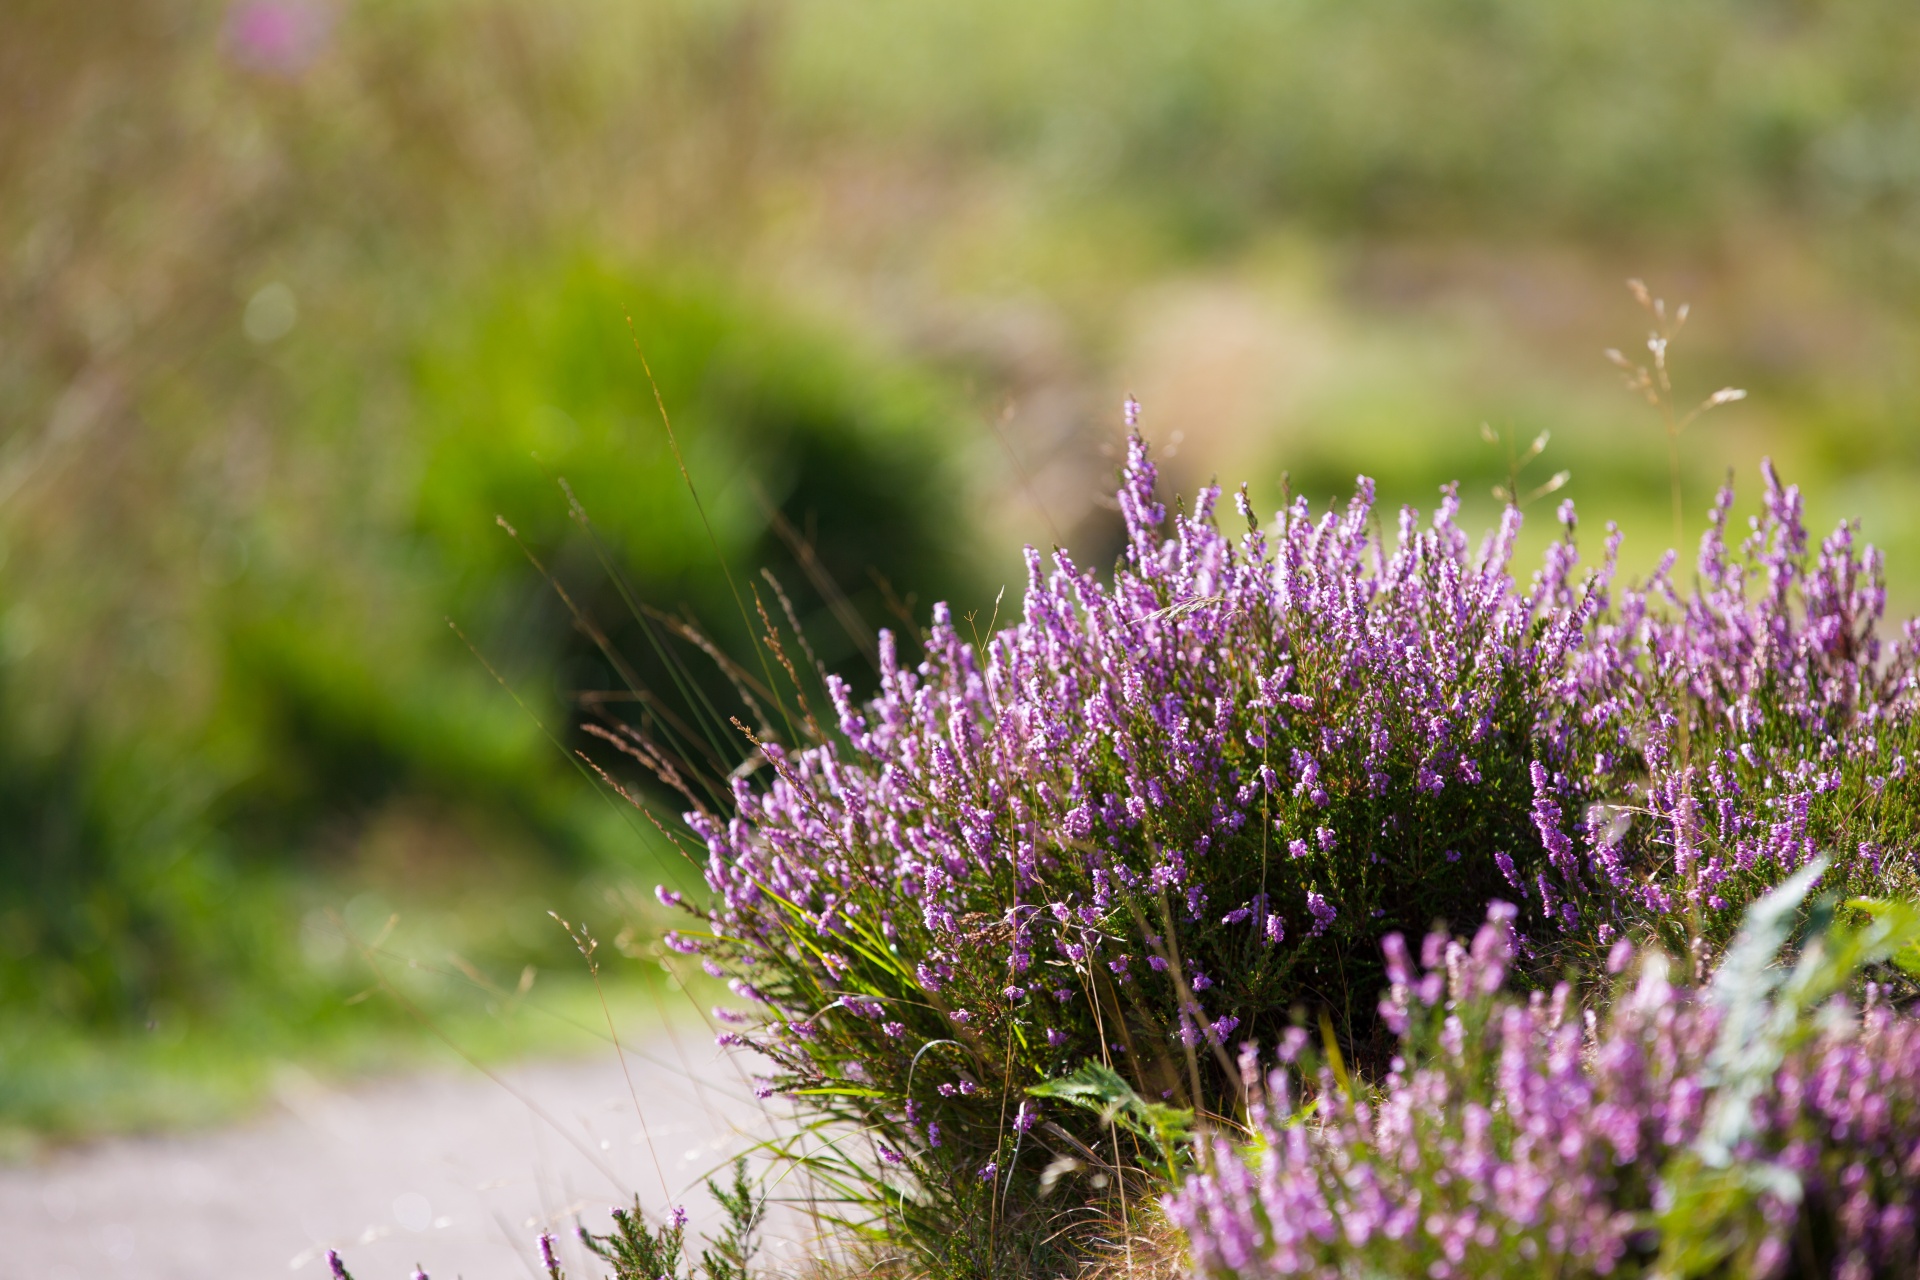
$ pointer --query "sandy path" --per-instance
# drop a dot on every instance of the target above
(449, 1170)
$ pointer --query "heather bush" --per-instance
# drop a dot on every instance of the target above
(1166, 813)
(1151, 816)
(1762, 1125)
(1770, 720)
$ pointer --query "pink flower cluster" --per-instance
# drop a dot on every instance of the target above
(1529, 1137)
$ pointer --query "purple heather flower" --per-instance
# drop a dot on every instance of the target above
(891, 1156)
(677, 1216)
(1529, 1158)
(279, 37)
(337, 1267)
(668, 898)
(989, 1171)
(1322, 911)
(1056, 1037)
(548, 1258)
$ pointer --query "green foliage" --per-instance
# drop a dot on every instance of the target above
(336, 699)
(731, 1255)
(1629, 115)
(639, 1252)
(1100, 1089)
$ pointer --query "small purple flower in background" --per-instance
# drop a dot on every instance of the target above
(1323, 912)
(1015, 995)
(668, 898)
(1296, 848)
(548, 1258)
(894, 1030)
(713, 970)
(337, 1267)
(279, 37)
(891, 1156)
(933, 1133)
(762, 1088)
(989, 1171)
(1056, 1037)
(678, 1217)
(419, 1273)
(961, 1016)
(1025, 1118)
(685, 946)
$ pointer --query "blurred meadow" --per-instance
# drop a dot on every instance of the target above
(298, 296)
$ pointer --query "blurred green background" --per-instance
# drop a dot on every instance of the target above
(297, 296)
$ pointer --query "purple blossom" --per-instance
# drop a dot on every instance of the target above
(279, 37)
(1512, 1130)
(1323, 912)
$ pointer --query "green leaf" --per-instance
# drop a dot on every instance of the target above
(1100, 1089)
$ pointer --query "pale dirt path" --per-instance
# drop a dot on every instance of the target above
(447, 1169)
